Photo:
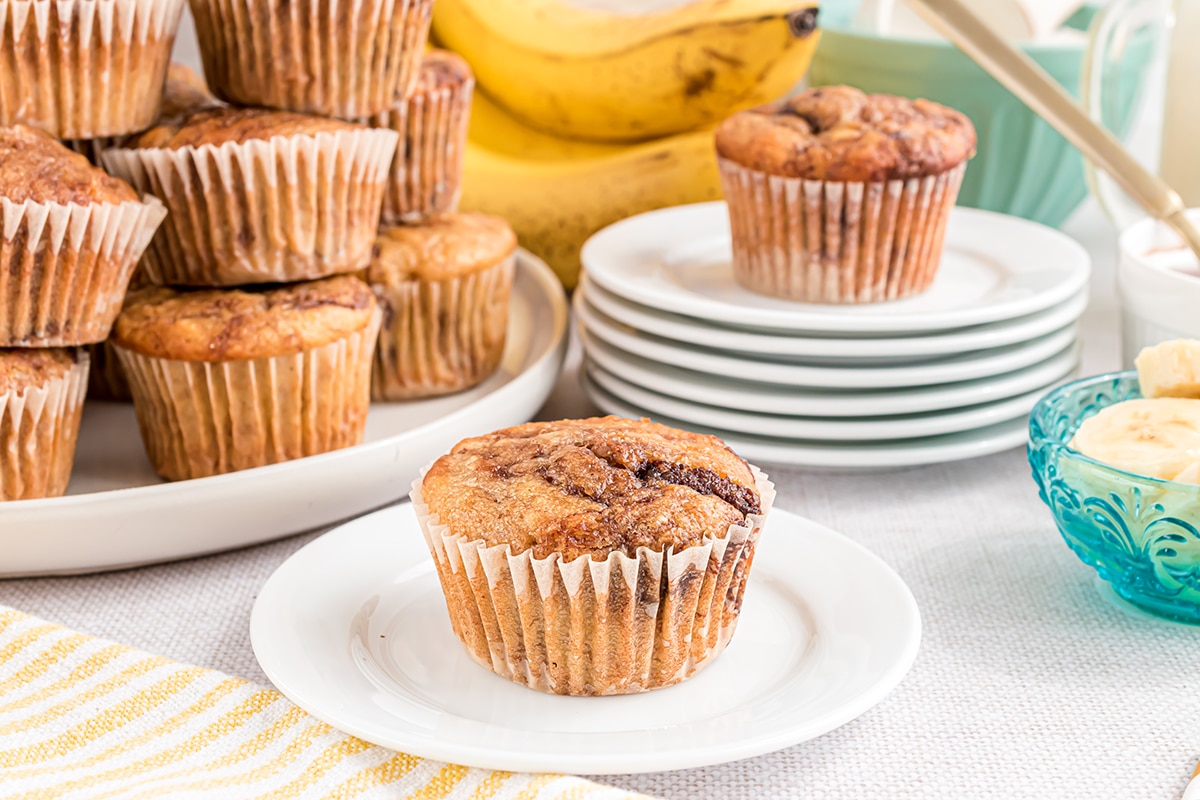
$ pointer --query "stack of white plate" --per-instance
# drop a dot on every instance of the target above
(668, 334)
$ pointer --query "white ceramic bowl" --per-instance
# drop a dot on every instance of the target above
(1158, 282)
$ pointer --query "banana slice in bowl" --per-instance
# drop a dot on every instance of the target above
(1157, 438)
(1170, 369)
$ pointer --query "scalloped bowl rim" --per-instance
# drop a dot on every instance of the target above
(1068, 388)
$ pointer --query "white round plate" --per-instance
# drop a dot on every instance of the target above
(837, 455)
(769, 399)
(994, 267)
(816, 428)
(855, 350)
(353, 629)
(953, 369)
(119, 513)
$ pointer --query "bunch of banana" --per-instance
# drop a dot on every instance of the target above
(573, 69)
(557, 192)
(590, 111)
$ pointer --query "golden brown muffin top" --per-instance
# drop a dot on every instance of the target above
(440, 68)
(216, 126)
(590, 487)
(22, 369)
(838, 133)
(444, 246)
(33, 166)
(185, 92)
(244, 323)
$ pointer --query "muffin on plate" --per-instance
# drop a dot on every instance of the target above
(595, 556)
(70, 237)
(83, 69)
(41, 402)
(224, 380)
(432, 123)
(258, 196)
(444, 286)
(337, 59)
(836, 196)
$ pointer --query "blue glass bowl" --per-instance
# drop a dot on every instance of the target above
(1142, 535)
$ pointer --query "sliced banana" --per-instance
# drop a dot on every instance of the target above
(1170, 369)
(1159, 438)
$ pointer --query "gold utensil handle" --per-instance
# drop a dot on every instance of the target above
(1024, 78)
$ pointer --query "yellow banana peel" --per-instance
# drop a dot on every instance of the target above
(558, 192)
(581, 73)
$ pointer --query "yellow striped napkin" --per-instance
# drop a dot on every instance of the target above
(82, 717)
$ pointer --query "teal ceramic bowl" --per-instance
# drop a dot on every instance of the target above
(1023, 167)
(1140, 534)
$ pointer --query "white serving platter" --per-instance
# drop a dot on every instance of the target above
(118, 513)
(353, 628)
(995, 267)
(828, 349)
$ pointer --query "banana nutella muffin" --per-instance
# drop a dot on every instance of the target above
(70, 237)
(224, 380)
(836, 196)
(41, 402)
(259, 196)
(595, 556)
(84, 69)
(444, 286)
(336, 59)
(432, 123)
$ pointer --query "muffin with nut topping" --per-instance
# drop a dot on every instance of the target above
(225, 380)
(258, 196)
(836, 196)
(596, 556)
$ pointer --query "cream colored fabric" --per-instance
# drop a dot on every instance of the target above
(82, 717)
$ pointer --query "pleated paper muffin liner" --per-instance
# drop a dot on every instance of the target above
(584, 627)
(426, 177)
(64, 268)
(38, 431)
(440, 337)
(334, 58)
(207, 418)
(290, 208)
(837, 242)
(83, 69)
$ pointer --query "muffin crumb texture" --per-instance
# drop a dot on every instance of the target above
(34, 167)
(237, 324)
(591, 487)
(439, 248)
(216, 126)
(28, 368)
(838, 133)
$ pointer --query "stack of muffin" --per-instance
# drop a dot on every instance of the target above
(253, 340)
